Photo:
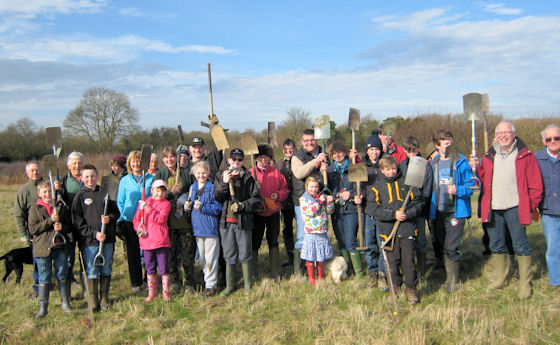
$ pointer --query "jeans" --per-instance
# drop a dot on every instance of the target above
(299, 227)
(374, 257)
(496, 231)
(449, 234)
(89, 257)
(551, 229)
(44, 266)
(345, 227)
(421, 242)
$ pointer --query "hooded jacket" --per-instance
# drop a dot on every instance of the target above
(337, 183)
(41, 228)
(271, 181)
(26, 197)
(130, 192)
(205, 222)
(155, 220)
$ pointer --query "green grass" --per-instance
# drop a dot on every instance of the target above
(293, 312)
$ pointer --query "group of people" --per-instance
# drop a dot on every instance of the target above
(216, 209)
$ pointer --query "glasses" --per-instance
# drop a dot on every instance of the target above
(552, 138)
(504, 132)
(237, 159)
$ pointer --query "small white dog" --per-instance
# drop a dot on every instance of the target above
(336, 268)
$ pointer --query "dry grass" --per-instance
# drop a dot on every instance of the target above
(293, 312)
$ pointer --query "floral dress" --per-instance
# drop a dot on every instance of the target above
(316, 245)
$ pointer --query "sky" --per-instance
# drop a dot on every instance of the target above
(386, 58)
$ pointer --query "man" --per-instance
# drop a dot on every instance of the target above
(512, 190)
(288, 215)
(26, 197)
(306, 162)
(184, 155)
(197, 150)
(386, 133)
(549, 162)
(183, 244)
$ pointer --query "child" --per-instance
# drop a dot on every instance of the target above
(316, 247)
(204, 218)
(44, 222)
(87, 218)
(156, 241)
(384, 201)
(237, 190)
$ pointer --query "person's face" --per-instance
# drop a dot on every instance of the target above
(34, 172)
(184, 159)
(117, 169)
(339, 156)
(373, 154)
(135, 166)
(197, 152)
(236, 162)
(170, 161)
(313, 188)
(552, 140)
(411, 152)
(153, 163)
(263, 161)
(44, 194)
(158, 193)
(201, 175)
(505, 135)
(75, 167)
(308, 142)
(443, 144)
(288, 151)
(389, 171)
(89, 177)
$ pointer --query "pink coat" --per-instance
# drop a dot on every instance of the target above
(156, 213)
(271, 181)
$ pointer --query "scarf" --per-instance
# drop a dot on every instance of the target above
(316, 197)
(341, 168)
(48, 207)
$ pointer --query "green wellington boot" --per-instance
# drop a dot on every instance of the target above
(274, 258)
(452, 272)
(230, 280)
(43, 298)
(356, 259)
(525, 276)
(247, 279)
(500, 263)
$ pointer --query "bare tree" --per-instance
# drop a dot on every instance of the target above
(103, 116)
(298, 120)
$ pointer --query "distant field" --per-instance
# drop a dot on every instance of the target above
(293, 312)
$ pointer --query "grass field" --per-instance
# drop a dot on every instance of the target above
(293, 312)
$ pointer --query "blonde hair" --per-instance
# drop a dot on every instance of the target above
(387, 161)
(200, 164)
(311, 179)
(45, 184)
(132, 155)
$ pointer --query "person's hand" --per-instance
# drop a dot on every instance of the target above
(176, 188)
(322, 157)
(57, 226)
(226, 176)
(536, 215)
(188, 205)
(400, 215)
(274, 196)
(237, 207)
(330, 199)
(345, 195)
(57, 185)
(323, 167)
(104, 219)
(100, 237)
(55, 217)
(358, 199)
(452, 189)
(197, 205)
(353, 154)
(473, 162)
(322, 198)
(141, 204)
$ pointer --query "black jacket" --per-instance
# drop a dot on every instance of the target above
(285, 168)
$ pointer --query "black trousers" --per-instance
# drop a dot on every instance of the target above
(401, 258)
(133, 254)
(449, 234)
(288, 216)
(272, 224)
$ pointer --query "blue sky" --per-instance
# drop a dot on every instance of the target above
(385, 58)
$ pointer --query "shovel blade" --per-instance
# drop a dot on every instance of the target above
(354, 119)
(219, 137)
(452, 152)
(357, 172)
(109, 186)
(145, 157)
(54, 137)
(249, 145)
(472, 105)
(272, 138)
(181, 137)
(485, 104)
(322, 127)
(49, 163)
(416, 171)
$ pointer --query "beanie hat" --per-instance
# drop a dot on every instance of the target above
(374, 141)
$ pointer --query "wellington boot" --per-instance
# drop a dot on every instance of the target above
(64, 296)
(500, 263)
(152, 287)
(93, 294)
(525, 276)
(412, 294)
(166, 287)
(311, 272)
(230, 280)
(274, 257)
(254, 264)
(43, 296)
(421, 264)
(346, 255)
(356, 259)
(104, 285)
(320, 266)
(290, 261)
(297, 263)
(247, 279)
(452, 272)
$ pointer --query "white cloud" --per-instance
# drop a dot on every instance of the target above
(51, 6)
(499, 8)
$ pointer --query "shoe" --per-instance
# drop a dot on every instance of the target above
(93, 294)
(382, 282)
(412, 294)
(373, 281)
(356, 260)
(452, 273)
(188, 290)
(209, 292)
(311, 272)
(247, 279)
(274, 258)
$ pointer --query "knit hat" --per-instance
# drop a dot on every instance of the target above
(374, 141)
(183, 149)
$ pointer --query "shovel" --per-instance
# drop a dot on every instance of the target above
(144, 166)
(414, 178)
(49, 164)
(54, 141)
(472, 107)
(358, 173)
(272, 138)
(250, 147)
(109, 187)
(181, 141)
(322, 129)
(216, 130)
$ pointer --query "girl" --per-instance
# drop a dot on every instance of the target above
(155, 243)
(316, 246)
(204, 217)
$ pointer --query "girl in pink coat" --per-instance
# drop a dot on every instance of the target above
(155, 243)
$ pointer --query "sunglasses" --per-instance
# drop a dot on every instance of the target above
(237, 159)
(552, 138)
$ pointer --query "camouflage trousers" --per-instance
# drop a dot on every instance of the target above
(183, 249)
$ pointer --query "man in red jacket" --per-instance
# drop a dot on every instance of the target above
(273, 190)
(511, 191)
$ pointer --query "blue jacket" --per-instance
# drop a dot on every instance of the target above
(206, 221)
(550, 171)
(130, 192)
(337, 183)
(462, 175)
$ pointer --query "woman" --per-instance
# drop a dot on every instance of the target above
(130, 192)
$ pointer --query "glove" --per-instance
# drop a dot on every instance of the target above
(197, 205)
(237, 207)
(188, 205)
(141, 204)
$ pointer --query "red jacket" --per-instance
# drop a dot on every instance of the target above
(156, 213)
(397, 152)
(271, 181)
(529, 183)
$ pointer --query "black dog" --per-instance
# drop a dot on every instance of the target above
(15, 259)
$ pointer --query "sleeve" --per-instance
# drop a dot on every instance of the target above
(213, 207)
(121, 195)
(534, 182)
(20, 214)
(415, 205)
(255, 199)
(309, 208)
(38, 224)
(301, 170)
(158, 213)
(137, 218)
(221, 189)
(283, 191)
(113, 212)
(465, 181)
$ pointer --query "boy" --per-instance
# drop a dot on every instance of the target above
(44, 222)
(450, 204)
(384, 202)
(88, 218)
(236, 221)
